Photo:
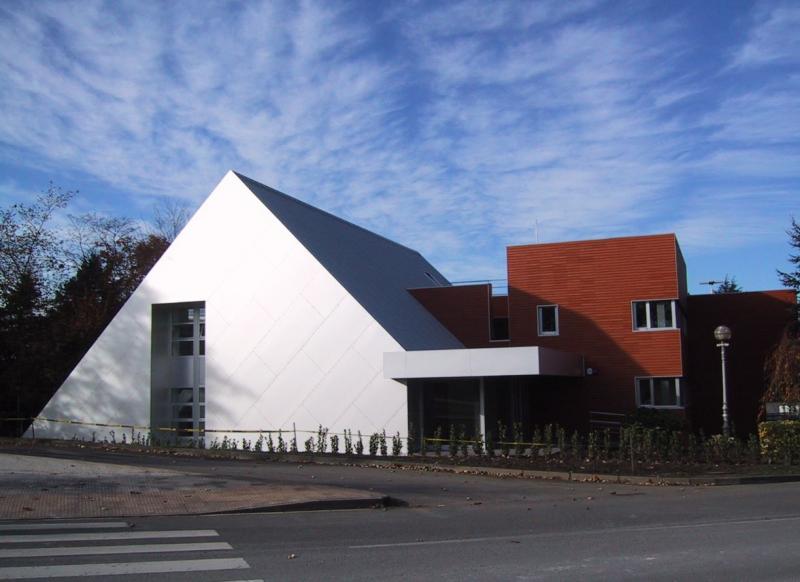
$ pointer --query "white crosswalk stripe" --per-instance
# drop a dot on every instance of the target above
(28, 550)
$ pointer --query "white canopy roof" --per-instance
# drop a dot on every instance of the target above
(479, 362)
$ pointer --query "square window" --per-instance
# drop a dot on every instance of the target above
(182, 395)
(654, 314)
(547, 316)
(183, 348)
(659, 392)
(183, 330)
(182, 411)
(664, 393)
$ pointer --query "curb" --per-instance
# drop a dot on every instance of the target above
(433, 466)
(319, 505)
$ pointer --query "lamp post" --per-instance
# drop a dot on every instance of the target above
(723, 335)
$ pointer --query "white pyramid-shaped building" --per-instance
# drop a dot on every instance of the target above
(265, 313)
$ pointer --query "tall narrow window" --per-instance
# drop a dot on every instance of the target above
(547, 316)
(654, 314)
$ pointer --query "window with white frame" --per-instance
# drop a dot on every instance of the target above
(547, 317)
(654, 314)
(659, 392)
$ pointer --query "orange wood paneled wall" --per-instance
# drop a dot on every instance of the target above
(594, 284)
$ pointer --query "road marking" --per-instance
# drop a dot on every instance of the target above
(630, 529)
(105, 550)
(63, 525)
(160, 567)
(124, 535)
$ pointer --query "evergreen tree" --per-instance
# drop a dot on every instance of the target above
(727, 286)
(791, 279)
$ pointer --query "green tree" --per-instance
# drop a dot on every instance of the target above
(782, 368)
(30, 246)
(791, 279)
(727, 285)
(58, 294)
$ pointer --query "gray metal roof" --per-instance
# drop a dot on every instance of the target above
(376, 271)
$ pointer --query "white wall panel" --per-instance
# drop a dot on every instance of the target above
(324, 293)
(337, 334)
(289, 334)
(279, 288)
(287, 391)
(248, 383)
(381, 400)
(340, 386)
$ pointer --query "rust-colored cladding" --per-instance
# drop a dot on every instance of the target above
(463, 309)
(757, 321)
(594, 284)
(499, 306)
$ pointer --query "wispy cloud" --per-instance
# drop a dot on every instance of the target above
(455, 128)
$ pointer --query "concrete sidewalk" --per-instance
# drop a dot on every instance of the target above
(36, 487)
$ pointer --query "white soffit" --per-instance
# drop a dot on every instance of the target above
(467, 363)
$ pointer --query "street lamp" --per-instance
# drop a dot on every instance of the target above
(723, 335)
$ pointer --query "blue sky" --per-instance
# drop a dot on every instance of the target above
(455, 128)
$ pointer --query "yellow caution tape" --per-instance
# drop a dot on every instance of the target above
(185, 430)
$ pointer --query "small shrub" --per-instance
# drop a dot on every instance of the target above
(502, 436)
(374, 443)
(322, 439)
(281, 442)
(383, 444)
(259, 446)
(536, 441)
(335, 444)
(359, 445)
(591, 445)
(780, 440)
(691, 448)
(463, 443)
(561, 441)
(397, 445)
(477, 444)
(575, 446)
(675, 448)
(348, 442)
(519, 445)
(309, 444)
(453, 444)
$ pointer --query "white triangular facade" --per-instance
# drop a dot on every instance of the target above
(286, 343)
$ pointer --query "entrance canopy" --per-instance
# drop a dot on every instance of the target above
(481, 362)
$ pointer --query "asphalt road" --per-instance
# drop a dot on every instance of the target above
(455, 528)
